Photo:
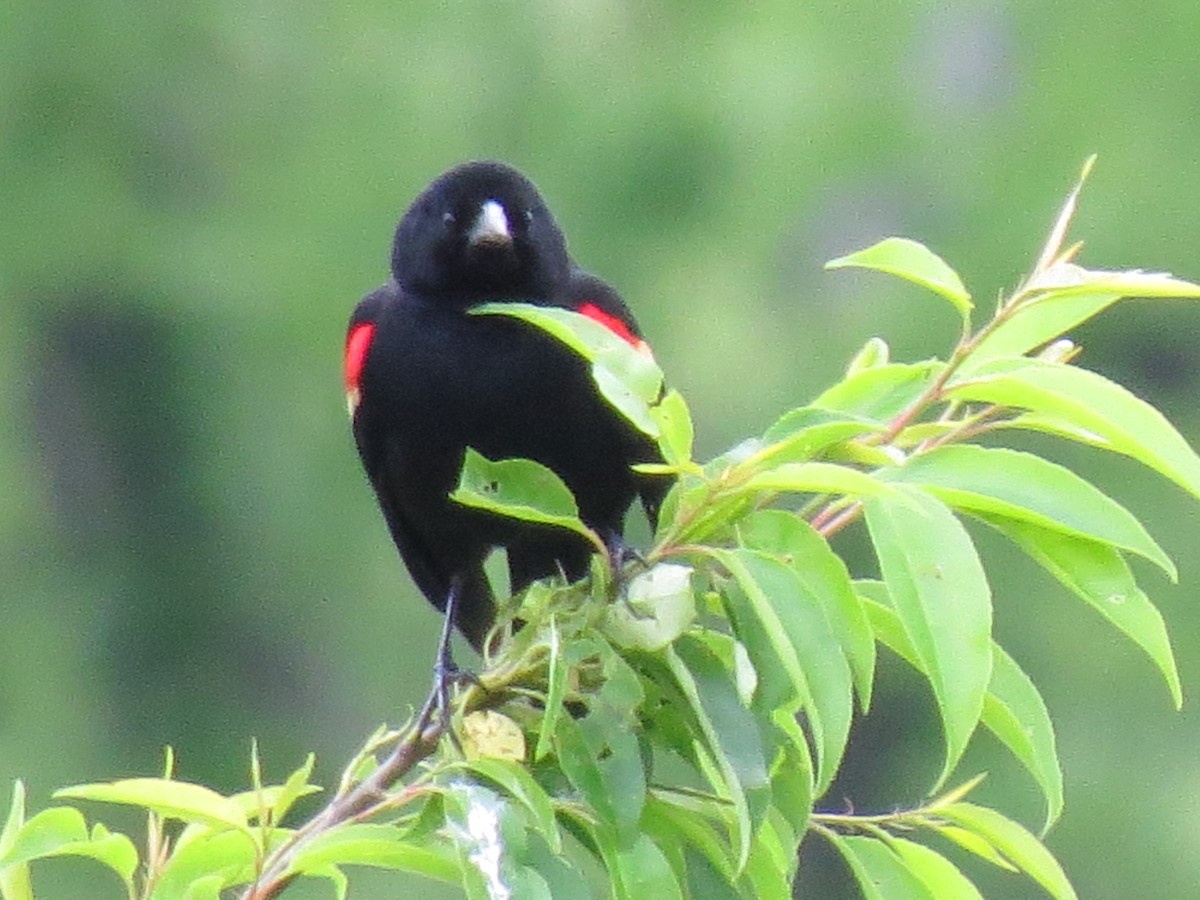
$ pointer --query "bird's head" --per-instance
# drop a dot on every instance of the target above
(481, 231)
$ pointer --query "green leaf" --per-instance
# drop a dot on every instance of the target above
(171, 799)
(525, 881)
(666, 820)
(765, 625)
(1015, 712)
(15, 818)
(881, 393)
(1016, 844)
(294, 788)
(252, 802)
(729, 732)
(45, 833)
(1060, 294)
(801, 434)
(771, 868)
(604, 764)
(224, 856)
(880, 873)
(1100, 576)
(676, 432)
(1039, 323)
(867, 883)
(637, 869)
(206, 888)
(112, 849)
(1080, 399)
(642, 872)
(520, 489)
(703, 880)
(59, 831)
(787, 635)
(1052, 250)
(875, 352)
(913, 262)
(562, 879)
(14, 877)
(923, 431)
(337, 878)
(1066, 279)
(514, 779)
(792, 776)
(627, 376)
(600, 841)
(973, 843)
(556, 689)
(379, 846)
(1056, 427)
(1025, 487)
(613, 742)
(885, 622)
(589, 339)
(825, 577)
(625, 400)
(941, 595)
(938, 874)
(817, 478)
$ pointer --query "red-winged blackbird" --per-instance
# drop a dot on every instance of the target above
(425, 379)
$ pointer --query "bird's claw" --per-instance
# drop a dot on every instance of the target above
(625, 562)
(446, 672)
(447, 675)
(621, 554)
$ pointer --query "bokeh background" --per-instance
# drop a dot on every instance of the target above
(193, 197)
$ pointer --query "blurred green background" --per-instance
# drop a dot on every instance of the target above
(195, 195)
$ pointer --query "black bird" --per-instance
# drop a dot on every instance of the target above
(425, 379)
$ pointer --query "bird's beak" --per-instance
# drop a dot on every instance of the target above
(491, 227)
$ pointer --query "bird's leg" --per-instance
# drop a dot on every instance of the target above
(620, 554)
(445, 670)
(626, 563)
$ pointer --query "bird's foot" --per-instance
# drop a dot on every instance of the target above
(446, 674)
(622, 556)
(625, 562)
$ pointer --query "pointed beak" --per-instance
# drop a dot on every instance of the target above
(491, 227)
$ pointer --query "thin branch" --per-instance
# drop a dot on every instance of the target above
(413, 744)
(833, 524)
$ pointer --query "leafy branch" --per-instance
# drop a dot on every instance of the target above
(680, 723)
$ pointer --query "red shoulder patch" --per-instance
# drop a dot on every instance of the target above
(612, 323)
(358, 342)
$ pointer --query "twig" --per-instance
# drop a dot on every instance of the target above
(413, 744)
(833, 525)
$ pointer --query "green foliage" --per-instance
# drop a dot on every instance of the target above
(522, 489)
(916, 263)
(674, 730)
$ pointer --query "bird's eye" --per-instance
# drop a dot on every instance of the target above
(528, 215)
(448, 218)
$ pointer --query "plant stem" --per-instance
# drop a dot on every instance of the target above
(413, 744)
(834, 524)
